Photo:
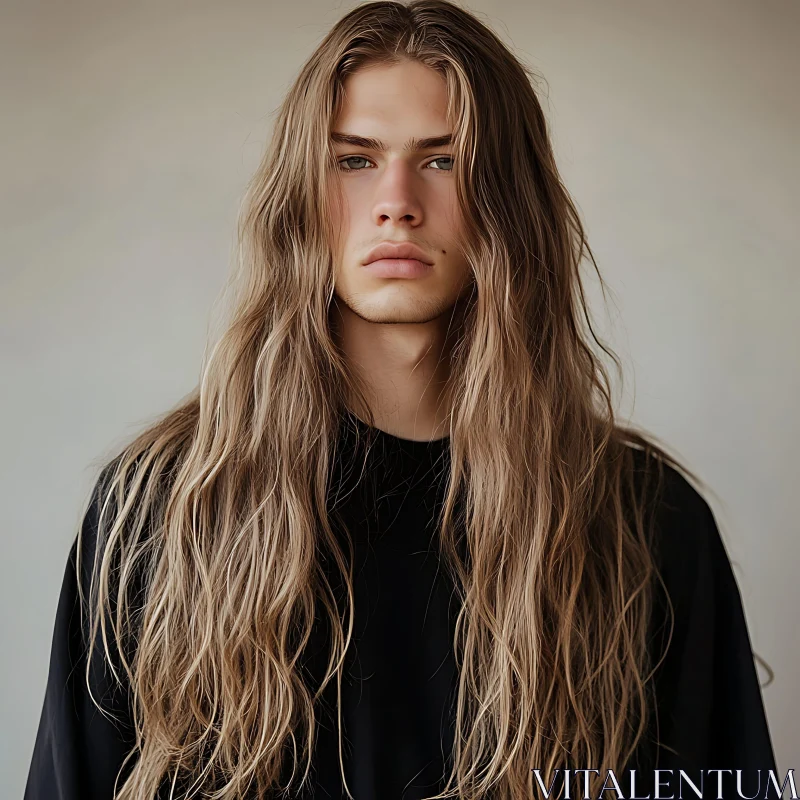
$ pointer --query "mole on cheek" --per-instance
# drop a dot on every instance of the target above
(444, 251)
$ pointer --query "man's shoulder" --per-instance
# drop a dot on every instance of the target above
(684, 536)
(112, 494)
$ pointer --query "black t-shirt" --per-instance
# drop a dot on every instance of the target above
(400, 680)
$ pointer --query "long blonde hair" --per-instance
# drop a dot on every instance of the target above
(216, 511)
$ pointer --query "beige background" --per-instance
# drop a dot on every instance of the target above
(129, 131)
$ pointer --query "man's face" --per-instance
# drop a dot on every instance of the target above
(398, 191)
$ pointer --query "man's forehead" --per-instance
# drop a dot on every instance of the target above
(391, 98)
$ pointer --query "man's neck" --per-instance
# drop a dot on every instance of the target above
(405, 368)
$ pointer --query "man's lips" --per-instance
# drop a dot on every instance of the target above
(398, 251)
(398, 268)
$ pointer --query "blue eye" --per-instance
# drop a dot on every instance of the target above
(352, 158)
(444, 158)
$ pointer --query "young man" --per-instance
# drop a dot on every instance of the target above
(395, 544)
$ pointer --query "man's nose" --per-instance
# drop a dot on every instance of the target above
(397, 196)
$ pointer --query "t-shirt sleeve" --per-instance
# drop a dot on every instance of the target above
(710, 708)
(78, 751)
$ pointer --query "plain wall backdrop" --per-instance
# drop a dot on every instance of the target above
(130, 130)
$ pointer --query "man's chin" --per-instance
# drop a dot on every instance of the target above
(394, 310)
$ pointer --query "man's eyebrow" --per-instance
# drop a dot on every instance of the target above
(412, 145)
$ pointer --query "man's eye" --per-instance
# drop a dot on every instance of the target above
(447, 167)
(358, 163)
(353, 168)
